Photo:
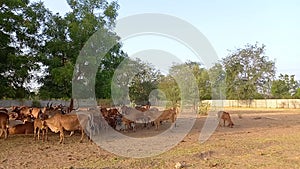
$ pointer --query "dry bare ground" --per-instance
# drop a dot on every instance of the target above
(259, 139)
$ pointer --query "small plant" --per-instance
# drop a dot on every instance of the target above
(36, 103)
(203, 108)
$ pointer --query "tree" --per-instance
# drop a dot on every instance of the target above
(217, 78)
(66, 36)
(133, 81)
(285, 87)
(248, 72)
(106, 71)
(188, 78)
(20, 34)
(170, 88)
(297, 94)
(143, 83)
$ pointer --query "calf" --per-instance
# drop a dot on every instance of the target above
(38, 126)
(26, 128)
(60, 122)
(225, 116)
(4, 121)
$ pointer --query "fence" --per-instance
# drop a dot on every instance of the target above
(9, 103)
(260, 103)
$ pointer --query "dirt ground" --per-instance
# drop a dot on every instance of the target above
(259, 139)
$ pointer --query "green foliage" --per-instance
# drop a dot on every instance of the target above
(204, 107)
(248, 72)
(217, 78)
(36, 103)
(106, 70)
(20, 25)
(170, 88)
(285, 87)
(105, 102)
(297, 94)
(145, 80)
(66, 36)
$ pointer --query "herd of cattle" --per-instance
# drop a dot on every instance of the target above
(33, 120)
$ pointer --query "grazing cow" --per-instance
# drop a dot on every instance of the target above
(225, 116)
(92, 122)
(4, 121)
(38, 126)
(131, 116)
(165, 115)
(60, 122)
(26, 128)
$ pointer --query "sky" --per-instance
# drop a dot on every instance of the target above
(228, 25)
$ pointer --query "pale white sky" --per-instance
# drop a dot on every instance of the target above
(226, 24)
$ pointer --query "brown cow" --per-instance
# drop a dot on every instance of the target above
(35, 112)
(23, 112)
(225, 116)
(4, 121)
(131, 116)
(50, 112)
(165, 115)
(4, 110)
(38, 126)
(26, 128)
(60, 122)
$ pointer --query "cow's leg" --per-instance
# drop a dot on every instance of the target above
(46, 132)
(5, 133)
(38, 133)
(156, 124)
(82, 135)
(34, 134)
(43, 135)
(133, 126)
(1, 132)
(61, 136)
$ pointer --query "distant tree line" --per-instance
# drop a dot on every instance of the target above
(35, 41)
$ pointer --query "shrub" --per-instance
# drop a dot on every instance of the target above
(36, 103)
(203, 108)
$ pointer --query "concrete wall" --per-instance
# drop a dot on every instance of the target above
(9, 103)
(261, 103)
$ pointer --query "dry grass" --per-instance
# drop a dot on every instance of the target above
(271, 141)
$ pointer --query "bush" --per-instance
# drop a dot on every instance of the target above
(104, 102)
(203, 108)
(36, 103)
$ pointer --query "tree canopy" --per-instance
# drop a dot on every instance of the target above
(39, 47)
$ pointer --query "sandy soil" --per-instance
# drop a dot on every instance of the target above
(259, 139)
